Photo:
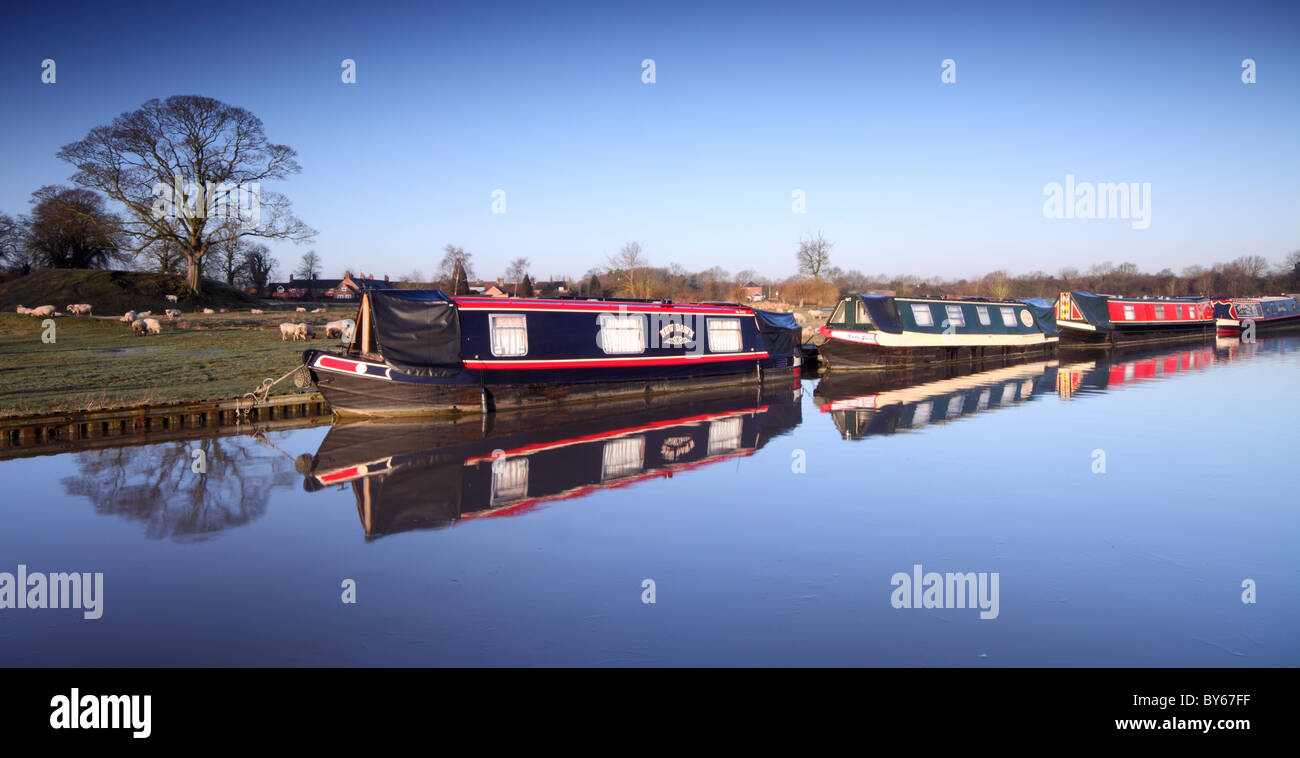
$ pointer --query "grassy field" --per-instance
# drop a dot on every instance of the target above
(115, 292)
(98, 362)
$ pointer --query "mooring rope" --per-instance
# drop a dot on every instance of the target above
(259, 395)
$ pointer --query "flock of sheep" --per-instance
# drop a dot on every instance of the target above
(142, 323)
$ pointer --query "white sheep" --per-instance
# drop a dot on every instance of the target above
(24, 310)
(257, 311)
(79, 309)
(138, 326)
(317, 310)
(300, 309)
(208, 311)
(304, 331)
(42, 311)
(128, 317)
(152, 325)
(338, 328)
(143, 314)
(288, 330)
(172, 313)
(172, 298)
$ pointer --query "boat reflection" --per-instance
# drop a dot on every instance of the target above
(430, 475)
(1130, 368)
(864, 405)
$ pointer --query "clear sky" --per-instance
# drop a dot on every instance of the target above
(751, 101)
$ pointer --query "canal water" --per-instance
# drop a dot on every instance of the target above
(1134, 511)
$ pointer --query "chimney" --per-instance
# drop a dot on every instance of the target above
(385, 277)
(291, 277)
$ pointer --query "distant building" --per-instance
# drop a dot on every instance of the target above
(347, 288)
(753, 291)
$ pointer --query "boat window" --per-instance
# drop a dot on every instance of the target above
(1008, 317)
(509, 334)
(863, 318)
(724, 435)
(984, 315)
(509, 479)
(921, 313)
(620, 335)
(724, 335)
(622, 457)
(955, 316)
(1128, 312)
(838, 316)
(1160, 313)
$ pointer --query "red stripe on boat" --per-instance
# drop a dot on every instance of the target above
(328, 362)
(561, 363)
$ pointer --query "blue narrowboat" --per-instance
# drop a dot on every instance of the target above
(423, 351)
(885, 332)
(1087, 320)
(1238, 316)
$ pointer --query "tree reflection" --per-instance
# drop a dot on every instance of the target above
(155, 484)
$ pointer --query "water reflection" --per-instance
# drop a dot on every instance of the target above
(157, 486)
(409, 476)
(864, 404)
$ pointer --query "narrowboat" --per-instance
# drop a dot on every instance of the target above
(885, 332)
(869, 404)
(422, 351)
(1104, 321)
(407, 475)
(1264, 314)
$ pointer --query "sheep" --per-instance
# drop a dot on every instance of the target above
(41, 311)
(300, 309)
(138, 326)
(223, 310)
(128, 317)
(172, 298)
(172, 313)
(288, 330)
(257, 311)
(339, 328)
(317, 310)
(208, 311)
(152, 325)
(79, 309)
(305, 331)
(24, 310)
(143, 314)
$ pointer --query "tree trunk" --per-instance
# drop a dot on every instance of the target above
(194, 271)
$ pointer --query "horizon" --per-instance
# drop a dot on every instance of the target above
(904, 173)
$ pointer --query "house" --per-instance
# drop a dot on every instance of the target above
(753, 291)
(347, 288)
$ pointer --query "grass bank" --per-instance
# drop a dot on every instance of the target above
(97, 363)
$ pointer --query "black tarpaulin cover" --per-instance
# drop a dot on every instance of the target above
(883, 312)
(1044, 313)
(1093, 308)
(779, 332)
(417, 332)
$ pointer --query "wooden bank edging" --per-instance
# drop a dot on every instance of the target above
(180, 419)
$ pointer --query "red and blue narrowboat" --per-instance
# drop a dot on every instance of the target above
(407, 475)
(1104, 321)
(888, 332)
(1234, 317)
(422, 351)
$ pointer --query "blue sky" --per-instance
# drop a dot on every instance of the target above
(905, 174)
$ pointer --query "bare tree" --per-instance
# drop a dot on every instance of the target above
(14, 252)
(259, 266)
(628, 268)
(516, 271)
(456, 269)
(814, 255)
(310, 266)
(146, 158)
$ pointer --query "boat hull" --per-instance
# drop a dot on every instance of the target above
(1228, 327)
(380, 391)
(1074, 338)
(843, 355)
